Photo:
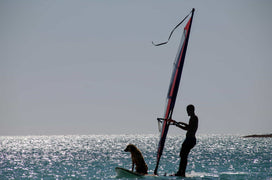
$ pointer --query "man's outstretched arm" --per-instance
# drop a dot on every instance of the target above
(182, 125)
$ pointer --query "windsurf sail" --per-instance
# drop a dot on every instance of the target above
(174, 85)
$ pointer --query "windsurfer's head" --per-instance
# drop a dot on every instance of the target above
(190, 110)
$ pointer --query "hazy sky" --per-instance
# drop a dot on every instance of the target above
(88, 67)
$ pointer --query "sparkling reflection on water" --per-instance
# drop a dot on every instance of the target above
(96, 156)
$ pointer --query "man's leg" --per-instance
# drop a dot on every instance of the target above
(184, 152)
(183, 163)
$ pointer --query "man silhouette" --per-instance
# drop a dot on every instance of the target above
(190, 140)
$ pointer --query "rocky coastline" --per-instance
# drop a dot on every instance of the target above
(258, 136)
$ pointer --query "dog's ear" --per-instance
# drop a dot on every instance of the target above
(132, 147)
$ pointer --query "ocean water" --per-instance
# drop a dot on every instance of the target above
(96, 156)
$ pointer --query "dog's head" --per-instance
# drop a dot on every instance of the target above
(130, 148)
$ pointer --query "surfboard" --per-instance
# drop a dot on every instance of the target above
(122, 172)
(125, 173)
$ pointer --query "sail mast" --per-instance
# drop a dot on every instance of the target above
(174, 86)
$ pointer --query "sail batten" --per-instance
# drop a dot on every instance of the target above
(174, 86)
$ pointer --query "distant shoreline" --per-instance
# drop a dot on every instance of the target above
(258, 136)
